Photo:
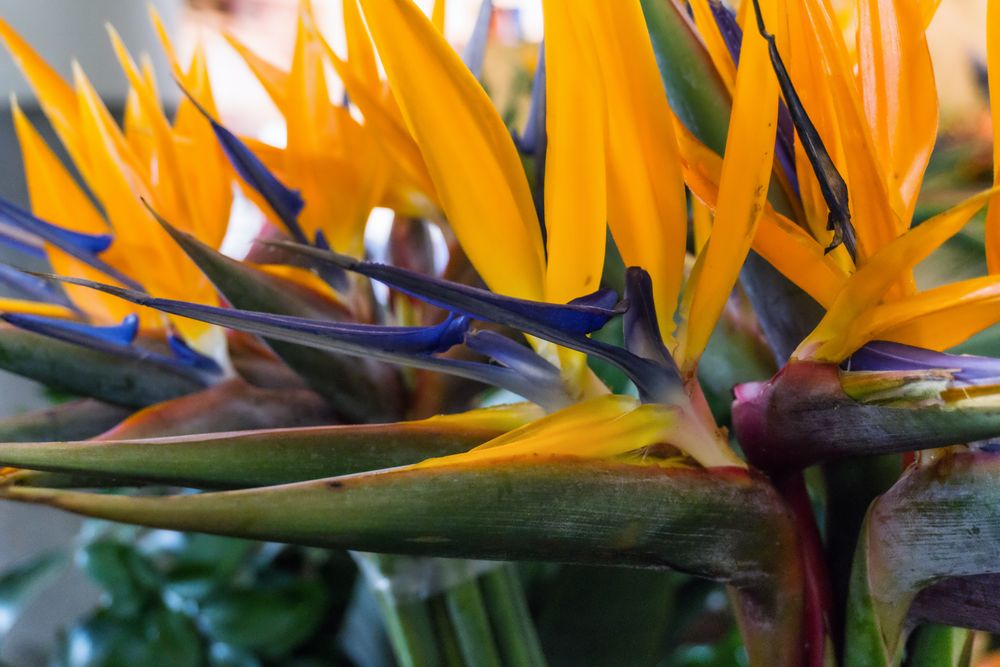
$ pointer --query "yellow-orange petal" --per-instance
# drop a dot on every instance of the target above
(468, 150)
(746, 172)
(866, 288)
(575, 192)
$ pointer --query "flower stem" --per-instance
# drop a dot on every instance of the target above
(471, 624)
(512, 622)
(411, 631)
(447, 641)
(817, 594)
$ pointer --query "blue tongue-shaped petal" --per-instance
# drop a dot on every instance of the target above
(579, 317)
(566, 324)
(17, 216)
(410, 346)
(116, 334)
(85, 247)
(286, 203)
(642, 329)
(191, 357)
(883, 355)
(116, 339)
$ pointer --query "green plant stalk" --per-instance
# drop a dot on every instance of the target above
(411, 631)
(515, 632)
(940, 646)
(451, 653)
(467, 611)
(409, 623)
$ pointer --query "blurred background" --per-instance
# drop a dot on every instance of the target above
(120, 569)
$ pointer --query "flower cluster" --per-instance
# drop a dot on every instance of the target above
(697, 201)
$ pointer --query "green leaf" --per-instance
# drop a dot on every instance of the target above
(725, 524)
(87, 372)
(940, 520)
(270, 620)
(129, 581)
(360, 390)
(194, 565)
(157, 636)
(736, 354)
(255, 458)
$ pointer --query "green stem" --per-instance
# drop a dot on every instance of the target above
(447, 641)
(471, 624)
(408, 622)
(411, 631)
(940, 646)
(515, 631)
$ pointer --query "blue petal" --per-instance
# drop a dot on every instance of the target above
(111, 340)
(603, 298)
(642, 331)
(410, 346)
(513, 355)
(475, 49)
(191, 357)
(578, 317)
(732, 34)
(18, 240)
(360, 339)
(887, 356)
(532, 139)
(84, 247)
(521, 371)
(116, 334)
(91, 243)
(286, 203)
(566, 325)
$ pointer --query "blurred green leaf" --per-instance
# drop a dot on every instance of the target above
(194, 565)
(224, 655)
(939, 646)
(129, 581)
(157, 636)
(271, 621)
